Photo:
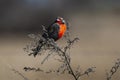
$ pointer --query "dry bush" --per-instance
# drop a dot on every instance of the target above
(40, 44)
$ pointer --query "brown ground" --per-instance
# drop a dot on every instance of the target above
(99, 46)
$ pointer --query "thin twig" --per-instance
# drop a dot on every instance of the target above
(47, 56)
(25, 78)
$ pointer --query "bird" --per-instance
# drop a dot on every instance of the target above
(55, 31)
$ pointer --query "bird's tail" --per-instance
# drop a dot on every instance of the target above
(37, 49)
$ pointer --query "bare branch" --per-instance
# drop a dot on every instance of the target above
(113, 70)
(32, 69)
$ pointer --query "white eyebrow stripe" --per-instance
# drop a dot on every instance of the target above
(62, 18)
(58, 19)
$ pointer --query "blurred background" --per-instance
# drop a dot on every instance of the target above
(95, 22)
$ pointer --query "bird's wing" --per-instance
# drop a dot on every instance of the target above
(54, 28)
(53, 31)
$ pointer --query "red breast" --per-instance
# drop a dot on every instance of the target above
(62, 30)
